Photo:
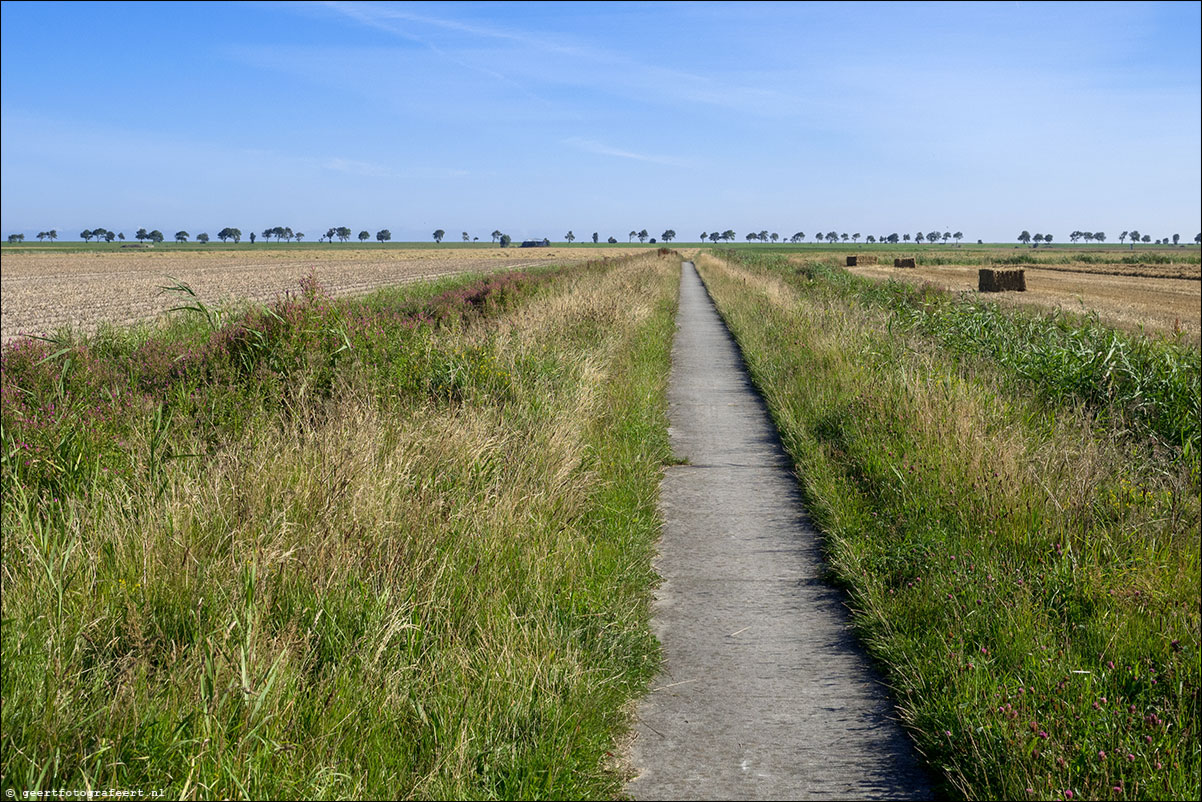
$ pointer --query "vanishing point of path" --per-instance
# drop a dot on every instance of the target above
(764, 693)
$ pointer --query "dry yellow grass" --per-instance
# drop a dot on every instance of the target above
(1165, 305)
(41, 292)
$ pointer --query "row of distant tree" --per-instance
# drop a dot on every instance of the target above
(1100, 236)
(344, 234)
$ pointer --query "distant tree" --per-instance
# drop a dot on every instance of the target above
(906, 237)
(224, 234)
(155, 236)
(141, 235)
(959, 235)
(1074, 236)
(1134, 235)
(933, 237)
(918, 237)
(1176, 238)
(505, 240)
(252, 238)
(1047, 238)
(752, 237)
(202, 238)
(595, 238)
(15, 238)
(668, 235)
(364, 236)
(946, 236)
(893, 238)
(495, 235)
(300, 236)
(728, 235)
(570, 237)
(330, 234)
(1198, 239)
(439, 234)
(855, 237)
(1100, 236)
(642, 235)
(832, 237)
(109, 236)
(633, 234)
(343, 233)
(466, 237)
(1122, 237)
(774, 236)
(236, 233)
(799, 236)
(1147, 238)
(1025, 237)
(1038, 239)
(715, 236)
(844, 236)
(181, 236)
(704, 235)
(41, 236)
(870, 239)
(86, 235)
(53, 235)
(612, 241)
(383, 235)
(268, 233)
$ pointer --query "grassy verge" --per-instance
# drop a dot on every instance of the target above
(1022, 560)
(391, 547)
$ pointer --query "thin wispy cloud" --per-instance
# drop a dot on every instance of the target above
(383, 19)
(355, 167)
(573, 63)
(601, 149)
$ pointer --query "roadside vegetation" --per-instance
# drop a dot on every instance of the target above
(1012, 501)
(389, 547)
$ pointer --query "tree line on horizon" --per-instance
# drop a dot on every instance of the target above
(344, 234)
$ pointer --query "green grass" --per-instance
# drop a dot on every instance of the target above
(1022, 561)
(389, 547)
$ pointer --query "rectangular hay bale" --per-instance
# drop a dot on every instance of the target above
(907, 262)
(990, 280)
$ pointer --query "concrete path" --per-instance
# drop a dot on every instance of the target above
(764, 693)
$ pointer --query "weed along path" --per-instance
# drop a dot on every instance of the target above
(764, 694)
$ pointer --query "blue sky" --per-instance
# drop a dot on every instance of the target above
(539, 118)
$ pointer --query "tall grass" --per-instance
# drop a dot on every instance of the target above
(1151, 385)
(1026, 569)
(393, 547)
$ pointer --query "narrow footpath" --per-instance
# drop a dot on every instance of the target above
(764, 693)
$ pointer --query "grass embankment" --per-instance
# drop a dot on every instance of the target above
(393, 547)
(1013, 504)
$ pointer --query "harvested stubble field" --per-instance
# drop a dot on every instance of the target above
(1166, 305)
(42, 292)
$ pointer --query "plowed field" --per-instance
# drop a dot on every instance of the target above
(42, 292)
